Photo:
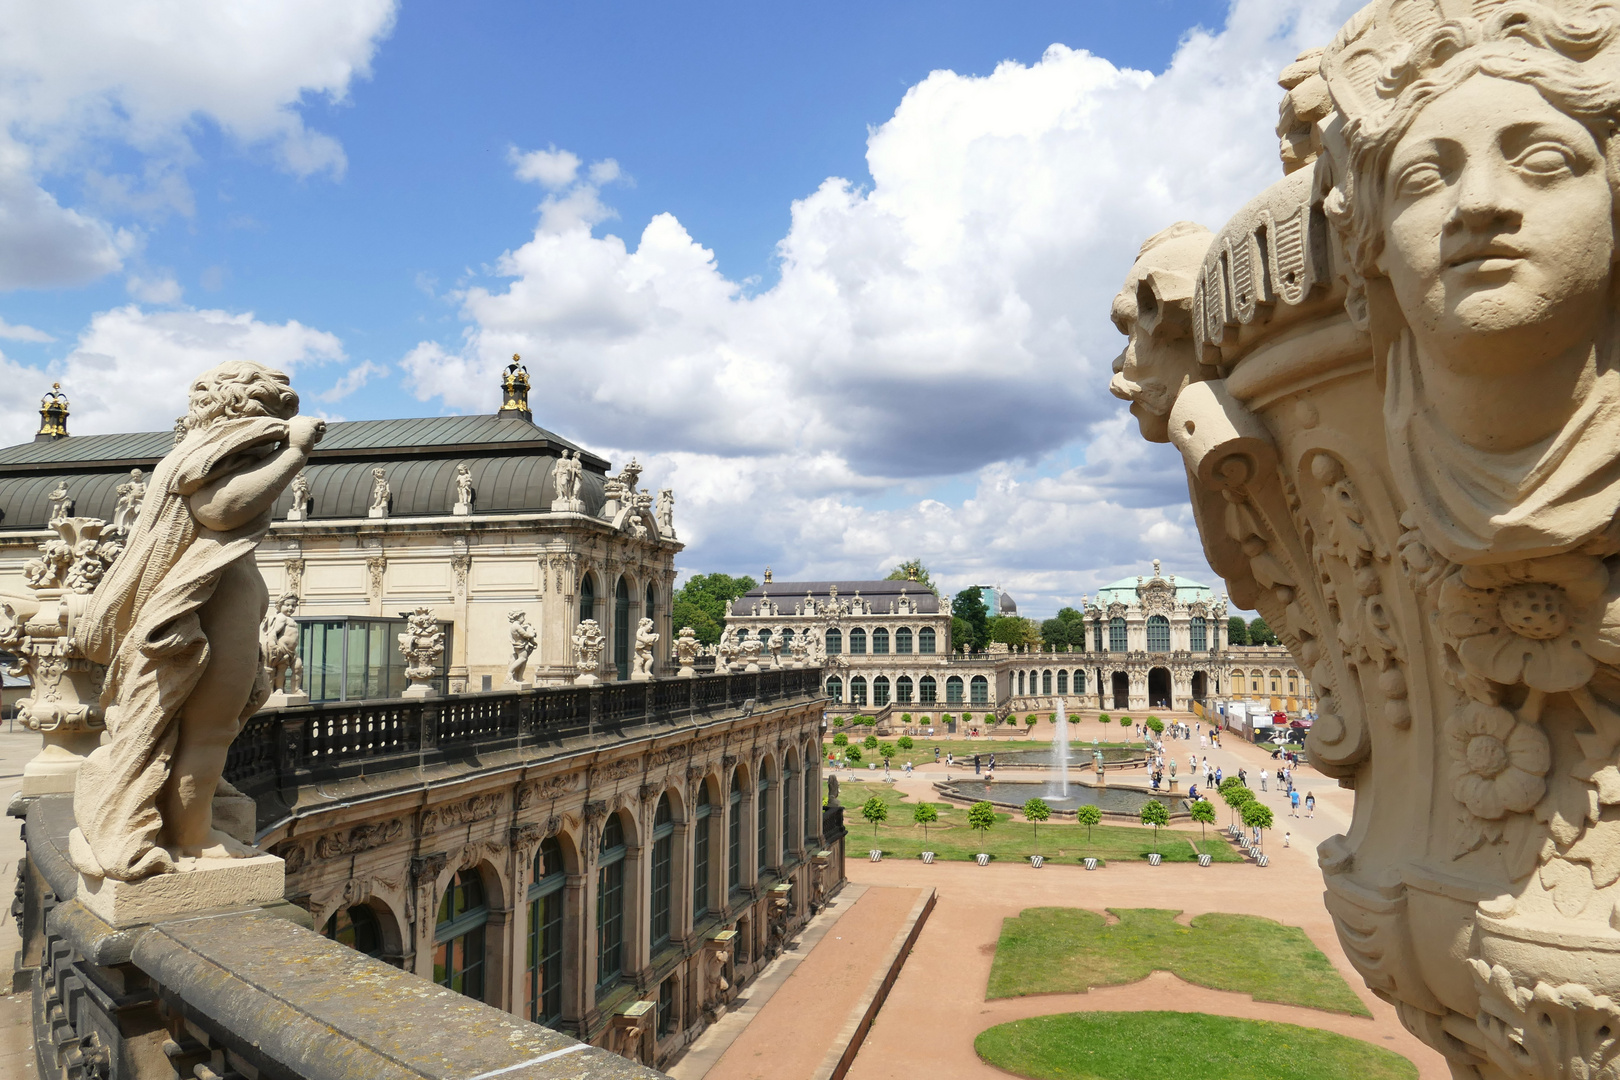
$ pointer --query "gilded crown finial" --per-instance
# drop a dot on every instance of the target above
(515, 389)
(53, 415)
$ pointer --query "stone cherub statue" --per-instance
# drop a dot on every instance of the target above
(588, 645)
(61, 502)
(666, 511)
(686, 652)
(726, 651)
(464, 488)
(642, 662)
(566, 476)
(130, 496)
(525, 639)
(278, 639)
(300, 498)
(775, 643)
(176, 622)
(381, 492)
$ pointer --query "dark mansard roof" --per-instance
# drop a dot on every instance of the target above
(880, 593)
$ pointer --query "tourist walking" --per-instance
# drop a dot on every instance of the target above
(1310, 805)
(1293, 804)
(1288, 839)
(975, 764)
(936, 755)
(1262, 779)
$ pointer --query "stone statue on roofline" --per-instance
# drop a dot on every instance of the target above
(176, 623)
(588, 645)
(422, 646)
(464, 490)
(641, 667)
(279, 643)
(130, 496)
(686, 652)
(299, 509)
(525, 639)
(382, 493)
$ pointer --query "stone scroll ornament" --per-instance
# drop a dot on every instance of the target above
(175, 621)
(1395, 379)
(588, 646)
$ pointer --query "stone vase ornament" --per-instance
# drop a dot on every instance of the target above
(686, 653)
(588, 645)
(1395, 382)
(422, 646)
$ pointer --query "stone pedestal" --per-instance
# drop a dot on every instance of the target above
(461, 510)
(295, 513)
(567, 506)
(54, 768)
(640, 676)
(687, 671)
(420, 690)
(281, 699)
(203, 885)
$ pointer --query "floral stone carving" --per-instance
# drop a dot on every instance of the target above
(422, 646)
(588, 646)
(1396, 387)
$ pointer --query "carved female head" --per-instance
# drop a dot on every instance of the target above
(237, 389)
(1482, 167)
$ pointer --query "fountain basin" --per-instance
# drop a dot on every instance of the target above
(1012, 794)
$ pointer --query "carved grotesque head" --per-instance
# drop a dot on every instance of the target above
(1154, 310)
(237, 389)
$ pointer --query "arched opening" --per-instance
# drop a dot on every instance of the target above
(587, 596)
(1096, 636)
(621, 629)
(543, 977)
(734, 839)
(1200, 686)
(1063, 682)
(702, 816)
(880, 642)
(880, 691)
(458, 936)
(1158, 634)
(925, 641)
(663, 872)
(857, 690)
(835, 689)
(1046, 683)
(902, 640)
(1079, 682)
(649, 610)
(927, 690)
(1159, 688)
(1122, 690)
(857, 642)
(980, 690)
(762, 821)
(361, 929)
(610, 905)
(1020, 684)
(1197, 634)
(789, 774)
(953, 690)
(1118, 638)
(835, 641)
(903, 690)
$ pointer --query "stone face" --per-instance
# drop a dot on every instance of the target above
(1399, 422)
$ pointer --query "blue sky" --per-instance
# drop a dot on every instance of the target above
(840, 276)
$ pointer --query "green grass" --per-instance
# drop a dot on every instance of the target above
(921, 755)
(1181, 1046)
(1053, 950)
(1011, 839)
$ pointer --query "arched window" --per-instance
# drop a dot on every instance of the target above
(1118, 639)
(811, 790)
(587, 597)
(610, 906)
(700, 853)
(458, 939)
(1063, 682)
(925, 641)
(980, 690)
(927, 690)
(880, 642)
(857, 690)
(1046, 683)
(1079, 682)
(357, 927)
(734, 840)
(649, 607)
(1096, 636)
(762, 822)
(545, 954)
(787, 809)
(835, 689)
(902, 690)
(1020, 684)
(835, 642)
(902, 640)
(663, 866)
(880, 691)
(787, 640)
(1276, 678)
(621, 629)
(1158, 633)
(1293, 682)
(953, 690)
(1197, 634)
(857, 642)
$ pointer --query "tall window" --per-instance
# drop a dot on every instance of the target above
(458, 939)
(880, 642)
(1046, 682)
(703, 816)
(857, 642)
(787, 810)
(902, 640)
(734, 846)
(621, 629)
(649, 607)
(835, 688)
(835, 642)
(1096, 636)
(1158, 633)
(1118, 641)
(857, 690)
(880, 691)
(1197, 634)
(1063, 682)
(953, 690)
(357, 927)
(925, 641)
(587, 597)
(762, 823)
(926, 690)
(663, 858)
(1020, 684)
(980, 689)
(903, 689)
(545, 954)
(1079, 682)
(812, 803)
(610, 906)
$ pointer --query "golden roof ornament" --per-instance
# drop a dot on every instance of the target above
(767, 575)
(53, 415)
(515, 389)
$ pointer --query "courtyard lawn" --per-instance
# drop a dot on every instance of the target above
(1180, 1046)
(1011, 839)
(1059, 950)
(921, 754)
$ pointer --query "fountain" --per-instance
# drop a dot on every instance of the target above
(1060, 753)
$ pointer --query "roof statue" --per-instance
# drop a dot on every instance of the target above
(515, 390)
(53, 415)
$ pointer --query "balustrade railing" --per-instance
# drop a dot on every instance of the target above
(280, 750)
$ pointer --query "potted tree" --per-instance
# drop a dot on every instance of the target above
(1089, 816)
(925, 815)
(981, 815)
(1257, 816)
(1154, 814)
(1203, 812)
(1035, 812)
(876, 811)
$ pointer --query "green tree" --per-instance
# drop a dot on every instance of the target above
(887, 750)
(840, 739)
(911, 570)
(1088, 815)
(1237, 795)
(1237, 631)
(961, 634)
(980, 816)
(968, 605)
(1203, 812)
(870, 742)
(701, 603)
(1071, 615)
(1058, 632)
(1104, 718)
(1257, 815)
(1035, 812)
(852, 755)
(905, 742)
(838, 721)
(1155, 725)
(1154, 814)
(1260, 633)
(925, 815)
(1014, 630)
(876, 811)
(1029, 721)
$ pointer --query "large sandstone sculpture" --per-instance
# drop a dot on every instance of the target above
(176, 623)
(1400, 426)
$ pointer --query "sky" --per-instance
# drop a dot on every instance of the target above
(839, 275)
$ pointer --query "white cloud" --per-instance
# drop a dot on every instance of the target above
(162, 289)
(129, 369)
(81, 77)
(552, 169)
(353, 379)
(19, 332)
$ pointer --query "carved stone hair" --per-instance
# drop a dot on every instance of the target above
(240, 388)
(1397, 56)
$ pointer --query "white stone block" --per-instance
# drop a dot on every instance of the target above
(201, 885)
